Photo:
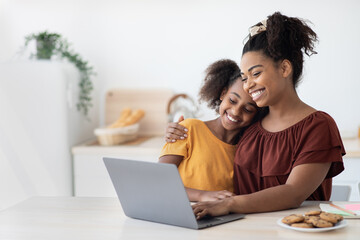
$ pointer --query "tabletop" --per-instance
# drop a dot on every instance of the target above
(103, 218)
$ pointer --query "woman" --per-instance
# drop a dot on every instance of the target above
(294, 151)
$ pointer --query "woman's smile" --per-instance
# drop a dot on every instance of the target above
(256, 94)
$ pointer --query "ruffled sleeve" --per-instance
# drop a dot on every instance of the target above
(320, 142)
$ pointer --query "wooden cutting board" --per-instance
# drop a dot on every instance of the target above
(152, 101)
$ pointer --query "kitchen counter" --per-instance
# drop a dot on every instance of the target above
(150, 145)
(155, 143)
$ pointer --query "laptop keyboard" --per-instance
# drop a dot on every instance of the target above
(208, 219)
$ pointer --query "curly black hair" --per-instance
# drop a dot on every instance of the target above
(219, 77)
(285, 38)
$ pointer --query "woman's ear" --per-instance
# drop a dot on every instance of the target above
(286, 68)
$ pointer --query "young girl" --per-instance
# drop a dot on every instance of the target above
(293, 152)
(205, 159)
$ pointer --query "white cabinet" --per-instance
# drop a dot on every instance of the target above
(90, 175)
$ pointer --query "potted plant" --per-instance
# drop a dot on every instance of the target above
(53, 44)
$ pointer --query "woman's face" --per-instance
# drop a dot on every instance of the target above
(263, 80)
(236, 109)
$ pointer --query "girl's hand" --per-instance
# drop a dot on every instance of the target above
(215, 208)
(174, 131)
(214, 195)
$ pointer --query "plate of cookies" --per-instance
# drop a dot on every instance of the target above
(313, 221)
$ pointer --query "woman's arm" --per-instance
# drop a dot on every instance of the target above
(174, 131)
(303, 180)
(196, 195)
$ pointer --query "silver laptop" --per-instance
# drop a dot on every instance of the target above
(154, 192)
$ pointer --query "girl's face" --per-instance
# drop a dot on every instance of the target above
(263, 80)
(236, 109)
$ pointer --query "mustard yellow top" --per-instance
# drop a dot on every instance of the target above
(208, 161)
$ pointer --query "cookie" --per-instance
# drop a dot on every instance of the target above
(302, 225)
(293, 218)
(322, 223)
(331, 217)
(310, 219)
(312, 213)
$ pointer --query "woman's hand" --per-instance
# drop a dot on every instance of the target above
(205, 196)
(215, 208)
(174, 131)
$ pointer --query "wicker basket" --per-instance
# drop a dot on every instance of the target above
(115, 136)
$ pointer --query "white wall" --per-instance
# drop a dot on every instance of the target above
(162, 43)
(159, 43)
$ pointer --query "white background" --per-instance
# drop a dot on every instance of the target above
(159, 43)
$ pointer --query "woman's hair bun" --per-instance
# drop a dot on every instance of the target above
(284, 38)
(288, 34)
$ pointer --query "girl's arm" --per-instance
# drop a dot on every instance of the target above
(196, 195)
(303, 180)
(174, 159)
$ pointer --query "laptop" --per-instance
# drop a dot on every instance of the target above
(155, 192)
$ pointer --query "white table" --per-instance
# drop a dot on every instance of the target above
(102, 218)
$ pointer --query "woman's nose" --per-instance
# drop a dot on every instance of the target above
(248, 84)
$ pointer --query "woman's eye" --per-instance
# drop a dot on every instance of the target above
(256, 73)
(244, 79)
(231, 101)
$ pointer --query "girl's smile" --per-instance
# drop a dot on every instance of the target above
(231, 118)
(237, 110)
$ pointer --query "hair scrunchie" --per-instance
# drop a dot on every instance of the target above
(258, 28)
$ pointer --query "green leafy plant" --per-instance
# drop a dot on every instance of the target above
(53, 44)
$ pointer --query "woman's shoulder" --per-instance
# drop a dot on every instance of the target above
(318, 131)
(317, 121)
(321, 115)
(319, 118)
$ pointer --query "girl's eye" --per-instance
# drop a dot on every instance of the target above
(248, 111)
(244, 79)
(231, 101)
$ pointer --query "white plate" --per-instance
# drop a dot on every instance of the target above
(341, 224)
